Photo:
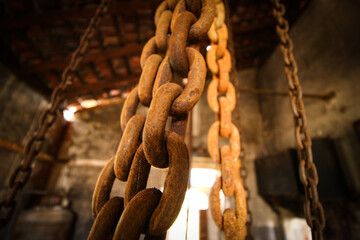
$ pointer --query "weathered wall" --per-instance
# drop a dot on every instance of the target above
(326, 47)
(91, 139)
(20, 107)
(95, 134)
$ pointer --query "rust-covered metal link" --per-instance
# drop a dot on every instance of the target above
(314, 212)
(168, 58)
(233, 223)
(108, 217)
(21, 175)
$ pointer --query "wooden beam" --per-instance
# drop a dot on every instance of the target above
(48, 17)
(6, 144)
(127, 50)
(101, 86)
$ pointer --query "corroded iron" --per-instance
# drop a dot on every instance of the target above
(129, 109)
(227, 179)
(219, 62)
(107, 219)
(313, 210)
(135, 216)
(213, 141)
(175, 186)
(178, 41)
(138, 175)
(154, 130)
(103, 187)
(195, 84)
(166, 59)
(128, 146)
(161, 35)
(147, 78)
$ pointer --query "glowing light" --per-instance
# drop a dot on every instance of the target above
(89, 103)
(68, 115)
(198, 199)
(73, 109)
(208, 47)
(184, 80)
(125, 94)
(203, 177)
(114, 92)
(187, 222)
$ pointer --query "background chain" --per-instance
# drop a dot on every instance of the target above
(223, 84)
(21, 175)
(234, 79)
(314, 212)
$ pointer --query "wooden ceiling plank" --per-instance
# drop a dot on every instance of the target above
(128, 50)
(48, 17)
(102, 86)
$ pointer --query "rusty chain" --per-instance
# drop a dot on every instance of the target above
(22, 173)
(167, 59)
(222, 100)
(314, 212)
(243, 167)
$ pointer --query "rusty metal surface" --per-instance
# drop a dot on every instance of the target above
(128, 146)
(103, 187)
(314, 212)
(135, 216)
(107, 219)
(167, 58)
(233, 223)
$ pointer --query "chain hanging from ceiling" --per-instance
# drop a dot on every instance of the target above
(313, 209)
(222, 100)
(168, 60)
(234, 78)
(22, 173)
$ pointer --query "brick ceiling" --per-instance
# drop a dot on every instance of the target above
(37, 38)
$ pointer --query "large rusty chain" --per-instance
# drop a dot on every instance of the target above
(22, 173)
(222, 100)
(169, 60)
(314, 212)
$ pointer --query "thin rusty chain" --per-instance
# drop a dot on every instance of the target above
(219, 63)
(314, 212)
(167, 61)
(22, 173)
(243, 167)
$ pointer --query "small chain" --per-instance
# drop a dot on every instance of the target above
(21, 175)
(243, 168)
(219, 63)
(314, 212)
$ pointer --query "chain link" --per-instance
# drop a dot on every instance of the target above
(21, 175)
(219, 62)
(166, 60)
(313, 209)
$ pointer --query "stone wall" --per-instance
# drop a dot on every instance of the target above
(91, 139)
(20, 108)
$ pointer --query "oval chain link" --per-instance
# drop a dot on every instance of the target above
(21, 175)
(233, 223)
(314, 212)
